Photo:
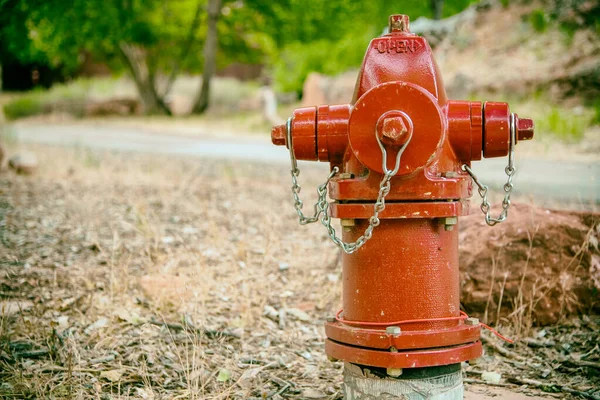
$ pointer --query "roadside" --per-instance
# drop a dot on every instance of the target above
(547, 181)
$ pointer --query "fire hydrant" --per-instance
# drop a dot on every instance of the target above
(400, 156)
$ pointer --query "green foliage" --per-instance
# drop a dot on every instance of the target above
(564, 124)
(291, 37)
(70, 97)
(596, 108)
(538, 20)
(297, 60)
(330, 36)
(22, 107)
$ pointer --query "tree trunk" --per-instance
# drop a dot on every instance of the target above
(185, 49)
(437, 6)
(210, 57)
(135, 59)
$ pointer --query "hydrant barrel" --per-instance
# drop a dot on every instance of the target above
(400, 155)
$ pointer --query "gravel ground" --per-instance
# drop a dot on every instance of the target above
(137, 276)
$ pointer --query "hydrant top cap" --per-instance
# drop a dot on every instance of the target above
(399, 23)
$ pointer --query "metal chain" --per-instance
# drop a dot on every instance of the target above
(321, 207)
(508, 186)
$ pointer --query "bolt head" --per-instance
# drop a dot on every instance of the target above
(451, 220)
(347, 222)
(393, 330)
(331, 359)
(471, 321)
(330, 318)
(394, 372)
(394, 131)
(449, 223)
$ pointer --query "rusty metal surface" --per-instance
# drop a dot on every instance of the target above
(406, 339)
(401, 210)
(404, 359)
(408, 271)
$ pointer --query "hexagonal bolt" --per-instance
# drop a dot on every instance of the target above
(449, 223)
(330, 318)
(394, 372)
(347, 222)
(331, 359)
(393, 330)
(394, 131)
(471, 321)
(345, 175)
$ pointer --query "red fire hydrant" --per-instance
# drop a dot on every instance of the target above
(400, 156)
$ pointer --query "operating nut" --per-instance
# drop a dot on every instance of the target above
(394, 128)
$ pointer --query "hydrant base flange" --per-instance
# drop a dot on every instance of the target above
(403, 359)
(406, 340)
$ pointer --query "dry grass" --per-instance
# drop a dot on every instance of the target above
(126, 276)
(104, 251)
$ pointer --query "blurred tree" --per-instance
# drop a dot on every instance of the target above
(210, 54)
(329, 36)
(155, 40)
(437, 6)
(141, 36)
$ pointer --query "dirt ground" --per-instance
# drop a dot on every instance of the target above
(138, 276)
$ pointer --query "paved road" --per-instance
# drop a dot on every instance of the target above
(548, 182)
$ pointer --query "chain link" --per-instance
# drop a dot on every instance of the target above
(508, 186)
(321, 207)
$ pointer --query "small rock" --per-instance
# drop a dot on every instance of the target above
(168, 239)
(313, 394)
(24, 163)
(63, 321)
(284, 266)
(224, 375)
(491, 377)
(112, 375)
(298, 314)
(101, 323)
(270, 312)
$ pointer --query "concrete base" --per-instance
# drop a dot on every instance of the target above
(365, 383)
